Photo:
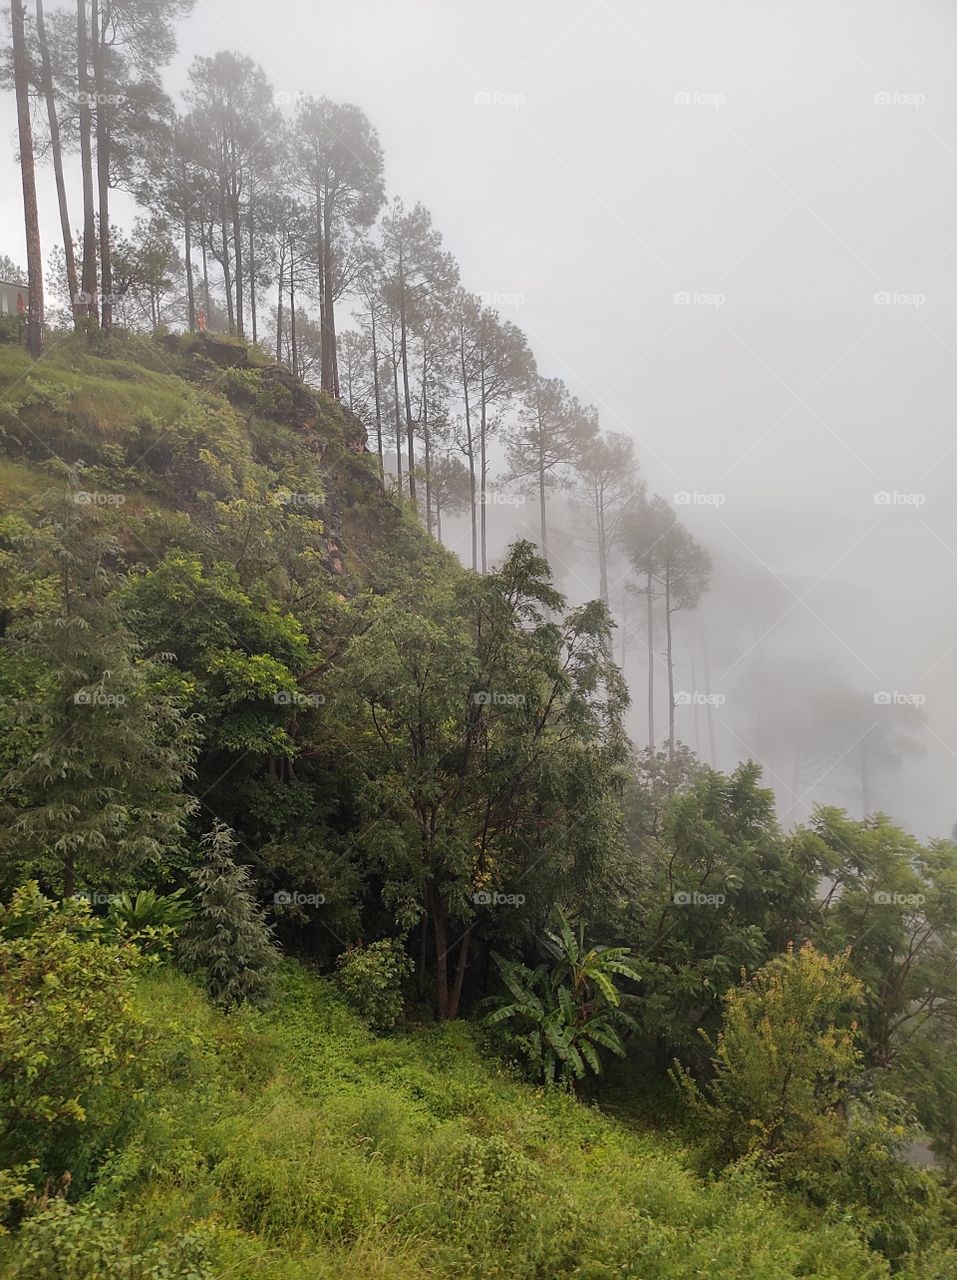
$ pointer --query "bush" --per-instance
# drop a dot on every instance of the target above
(228, 941)
(371, 980)
(66, 1019)
(84, 1243)
(781, 1065)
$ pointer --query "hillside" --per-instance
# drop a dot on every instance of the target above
(178, 424)
(365, 793)
(295, 1145)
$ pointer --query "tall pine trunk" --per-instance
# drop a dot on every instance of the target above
(470, 446)
(330, 355)
(483, 475)
(88, 282)
(404, 352)
(21, 79)
(378, 396)
(190, 287)
(252, 265)
(671, 668)
(97, 26)
(56, 150)
(649, 588)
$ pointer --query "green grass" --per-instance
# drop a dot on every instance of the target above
(300, 1146)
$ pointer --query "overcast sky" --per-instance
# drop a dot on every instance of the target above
(791, 168)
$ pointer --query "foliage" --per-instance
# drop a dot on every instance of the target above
(570, 1007)
(66, 1021)
(781, 1064)
(227, 941)
(297, 1144)
(82, 1242)
(100, 788)
(371, 979)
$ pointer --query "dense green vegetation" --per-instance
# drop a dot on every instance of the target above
(547, 1007)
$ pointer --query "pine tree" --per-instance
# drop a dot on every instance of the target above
(228, 940)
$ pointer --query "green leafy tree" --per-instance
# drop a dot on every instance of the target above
(228, 941)
(569, 1007)
(66, 1023)
(371, 979)
(781, 1064)
(720, 890)
(99, 791)
(490, 747)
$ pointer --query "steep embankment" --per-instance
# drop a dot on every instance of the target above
(163, 430)
(295, 1145)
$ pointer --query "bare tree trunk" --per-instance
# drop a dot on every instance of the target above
(204, 243)
(98, 32)
(56, 149)
(252, 265)
(456, 997)
(541, 486)
(21, 78)
(88, 279)
(238, 249)
(404, 351)
(378, 397)
(398, 417)
(427, 444)
(651, 661)
(292, 308)
(471, 456)
(441, 955)
(330, 379)
(190, 287)
(483, 476)
(671, 668)
(282, 278)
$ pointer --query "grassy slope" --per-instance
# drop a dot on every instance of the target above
(302, 1145)
(306, 1148)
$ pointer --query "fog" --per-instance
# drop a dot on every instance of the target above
(733, 229)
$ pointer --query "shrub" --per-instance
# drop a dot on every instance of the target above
(781, 1065)
(83, 1242)
(66, 1019)
(228, 941)
(371, 980)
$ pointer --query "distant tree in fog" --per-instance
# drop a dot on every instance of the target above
(552, 429)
